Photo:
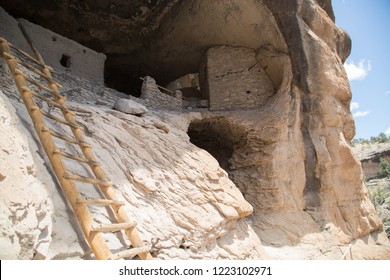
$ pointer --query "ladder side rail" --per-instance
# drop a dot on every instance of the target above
(87, 151)
(96, 240)
(120, 213)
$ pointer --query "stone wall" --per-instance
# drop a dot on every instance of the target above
(61, 52)
(10, 31)
(158, 100)
(57, 51)
(231, 78)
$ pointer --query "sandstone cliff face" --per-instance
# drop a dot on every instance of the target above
(295, 165)
(331, 186)
(290, 177)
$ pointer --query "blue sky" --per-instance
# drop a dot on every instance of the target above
(368, 66)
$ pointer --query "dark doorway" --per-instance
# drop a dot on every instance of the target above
(65, 61)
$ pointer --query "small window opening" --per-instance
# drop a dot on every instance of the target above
(54, 38)
(65, 61)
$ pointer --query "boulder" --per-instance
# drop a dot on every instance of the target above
(129, 106)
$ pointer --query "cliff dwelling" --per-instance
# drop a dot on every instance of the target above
(179, 44)
(222, 128)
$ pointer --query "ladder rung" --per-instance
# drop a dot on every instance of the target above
(44, 98)
(68, 155)
(8, 55)
(40, 73)
(29, 57)
(65, 138)
(101, 202)
(113, 227)
(35, 108)
(60, 136)
(50, 116)
(93, 181)
(77, 158)
(131, 253)
(35, 83)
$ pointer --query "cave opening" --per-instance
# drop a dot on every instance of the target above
(208, 136)
(221, 138)
(123, 76)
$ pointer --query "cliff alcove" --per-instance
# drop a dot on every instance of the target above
(163, 39)
(177, 46)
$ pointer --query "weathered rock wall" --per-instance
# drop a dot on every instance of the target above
(293, 162)
(371, 168)
(369, 156)
(328, 185)
(26, 208)
(10, 30)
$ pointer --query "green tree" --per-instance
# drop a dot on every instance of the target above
(384, 167)
(382, 138)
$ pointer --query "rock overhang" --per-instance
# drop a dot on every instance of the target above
(193, 27)
(165, 39)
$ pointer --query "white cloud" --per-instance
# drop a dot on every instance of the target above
(357, 71)
(361, 114)
(387, 131)
(354, 105)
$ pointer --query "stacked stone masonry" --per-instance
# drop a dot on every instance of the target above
(231, 78)
(158, 100)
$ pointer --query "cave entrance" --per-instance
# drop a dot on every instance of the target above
(221, 138)
(209, 136)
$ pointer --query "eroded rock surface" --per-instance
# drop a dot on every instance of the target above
(26, 209)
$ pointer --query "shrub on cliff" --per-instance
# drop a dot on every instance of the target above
(384, 167)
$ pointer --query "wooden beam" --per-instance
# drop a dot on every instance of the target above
(113, 227)
(168, 90)
(100, 202)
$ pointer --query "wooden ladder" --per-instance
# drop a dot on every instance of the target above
(31, 91)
